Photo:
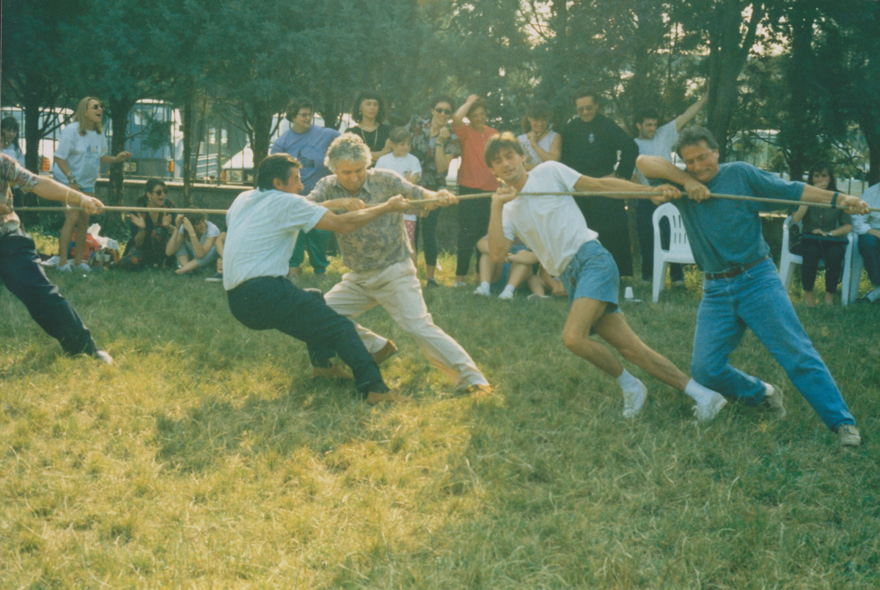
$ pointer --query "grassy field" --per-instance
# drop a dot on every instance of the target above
(207, 458)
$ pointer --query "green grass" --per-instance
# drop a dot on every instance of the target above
(207, 457)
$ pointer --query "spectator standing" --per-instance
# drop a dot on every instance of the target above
(823, 237)
(10, 147)
(590, 145)
(82, 148)
(658, 141)
(473, 177)
(435, 146)
(539, 142)
(370, 111)
(400, 160)
(307, 143)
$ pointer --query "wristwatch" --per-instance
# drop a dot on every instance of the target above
(71, 179)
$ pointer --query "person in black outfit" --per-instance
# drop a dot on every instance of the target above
(590, 145)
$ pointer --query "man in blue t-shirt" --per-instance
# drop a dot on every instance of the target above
(741, 287)
(307, 143)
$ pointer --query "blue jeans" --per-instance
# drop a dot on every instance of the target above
(20, 270)
(756, 299)
(268, 303)
(869, 248)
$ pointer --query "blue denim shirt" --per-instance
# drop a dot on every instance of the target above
(724, 233)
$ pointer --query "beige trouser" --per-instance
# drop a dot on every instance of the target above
(397, 289)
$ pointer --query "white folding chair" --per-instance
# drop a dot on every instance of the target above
(679, 250)
(852, 263)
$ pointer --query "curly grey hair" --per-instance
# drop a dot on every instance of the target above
(347, 146)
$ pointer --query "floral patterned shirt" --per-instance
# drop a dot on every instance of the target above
(383, 241)
(423, 147)
(13, 173)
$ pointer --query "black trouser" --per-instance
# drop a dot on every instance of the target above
(645, 226)
(427, 228)
(607, 217)
(20, 270)
(473, 224)
(815, 249)
(274, 303)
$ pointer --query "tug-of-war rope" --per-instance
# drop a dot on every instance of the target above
(624, 194)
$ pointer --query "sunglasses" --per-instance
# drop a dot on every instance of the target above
(159, 191)
(97, 107)
(443, 111)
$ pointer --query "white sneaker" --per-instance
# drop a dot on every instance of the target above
(634, 400)
(102, 356)
(708, 408)
(507, 294)
(774, 400)
(536, 297)
(66, 268)
(482, 290)
(83, 266)
(459, 285)
(51, 262)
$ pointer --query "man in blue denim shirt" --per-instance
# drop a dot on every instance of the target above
(741, 288)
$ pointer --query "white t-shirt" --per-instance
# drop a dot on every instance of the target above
(82, 154)
(532, 156)
(262, 227)
(551, 226)
(15, 154)
(404, 165)
(660, 145)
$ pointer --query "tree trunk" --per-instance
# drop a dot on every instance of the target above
(187, 124)
(32, 133)
(798, 74)
(119, 110)
(262, 130)
(871, 130)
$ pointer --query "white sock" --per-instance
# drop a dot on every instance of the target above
(508, 290)
(698, 392)
(874, 295)
(627, 381)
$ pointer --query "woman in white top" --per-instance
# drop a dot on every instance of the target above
(82, 148)
(10, 147)
(540, 144)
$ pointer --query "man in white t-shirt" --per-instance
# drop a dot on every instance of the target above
(263, 225)
(658, 141)
(551, 226)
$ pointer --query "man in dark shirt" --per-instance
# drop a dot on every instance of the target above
(590, 145)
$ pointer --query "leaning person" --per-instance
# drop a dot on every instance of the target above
(741, 288)
(553, 228)
(379, 256)
(20, 268)
(263, 225)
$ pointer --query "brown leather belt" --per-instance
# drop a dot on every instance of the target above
(735, 271)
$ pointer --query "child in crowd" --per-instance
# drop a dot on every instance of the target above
(408, 166)
(193, 242)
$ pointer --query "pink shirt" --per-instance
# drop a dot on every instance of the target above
(473, 172)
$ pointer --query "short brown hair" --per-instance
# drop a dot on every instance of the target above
(275, 166)
(500, 142)
(480, 102)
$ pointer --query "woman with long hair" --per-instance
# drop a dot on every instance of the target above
(823, 237)
(150, 232)
(370, 112)
(82, 148)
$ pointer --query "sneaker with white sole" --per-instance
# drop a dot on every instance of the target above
(459, 285)
(217, 277)
(83, 266)
(482, 291)
(537, 297)
(848, 435)
(708, 408)
(774, 400)
(634, 400)
(506, 295)
(51, 262)
(102, 356)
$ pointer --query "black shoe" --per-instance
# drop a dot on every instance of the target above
(863, 299)
(431, 283)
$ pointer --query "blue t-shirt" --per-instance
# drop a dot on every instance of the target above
(724, 233)
(309, 148)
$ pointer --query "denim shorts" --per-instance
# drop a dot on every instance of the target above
(593, 274)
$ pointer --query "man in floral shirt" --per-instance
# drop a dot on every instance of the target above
(20, 270)
(379, 256)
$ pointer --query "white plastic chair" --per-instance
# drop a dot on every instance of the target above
(852, 264)
(679, 249)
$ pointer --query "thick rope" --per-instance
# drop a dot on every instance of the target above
(624, 194)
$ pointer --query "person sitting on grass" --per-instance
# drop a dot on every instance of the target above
(506, 276)
(217, 277)
(553, 228)
(150, 232)
(741, 288)
(263, 225)
(20, 270)
(193, 242)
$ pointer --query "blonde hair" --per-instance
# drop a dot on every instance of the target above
(79, 116)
